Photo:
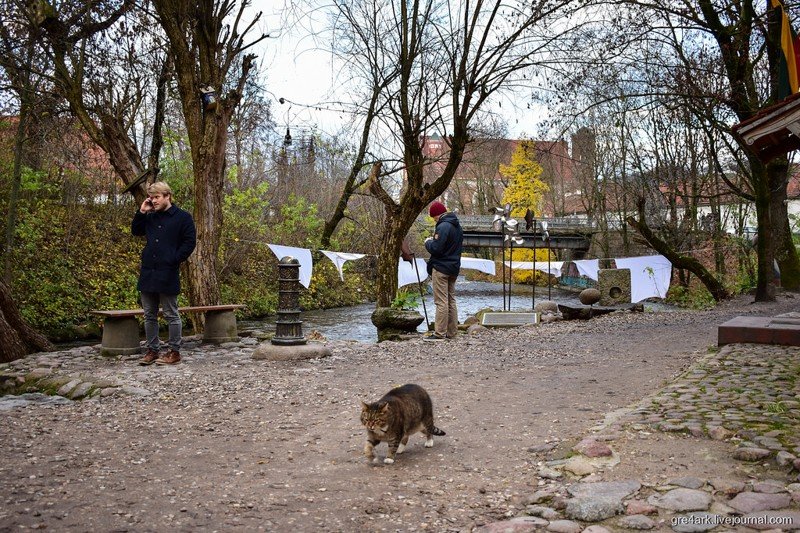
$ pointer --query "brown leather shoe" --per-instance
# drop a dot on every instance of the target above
(170, 358)
(149, 358)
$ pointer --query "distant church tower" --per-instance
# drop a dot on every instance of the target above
(584, 148)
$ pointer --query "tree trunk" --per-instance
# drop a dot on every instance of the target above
(388, 258)
(765, 285)
(19, 339)
(395, 229)
(203, 48)
(785, 252)
(209, 171)
(717, 290)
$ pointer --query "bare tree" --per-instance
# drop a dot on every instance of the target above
(18, 55)
(17, 60)
(252, 130)
(206, 39)
(18, 337)
(680, 261)
(437, 65)
(101, 70)
(720, 60)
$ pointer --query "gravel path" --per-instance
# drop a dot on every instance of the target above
(222, 441)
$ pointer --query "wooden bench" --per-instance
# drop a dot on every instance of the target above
(121, 327)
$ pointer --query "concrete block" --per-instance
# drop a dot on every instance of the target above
(220, 327)
(614, 286)
(759, 330)
(120, 336)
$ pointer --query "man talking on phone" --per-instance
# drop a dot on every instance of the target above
(171, 237)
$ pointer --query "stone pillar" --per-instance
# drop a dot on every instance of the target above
(288, 326)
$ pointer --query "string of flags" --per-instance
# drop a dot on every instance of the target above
(650, 275)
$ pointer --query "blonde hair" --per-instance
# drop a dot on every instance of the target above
(159, 187)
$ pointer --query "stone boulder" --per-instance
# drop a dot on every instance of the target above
(593, 502)
(589, 296)
(548, 306)
(476, 329)
(266, 351)
(394, 324)
(471, 320)
(682, 499)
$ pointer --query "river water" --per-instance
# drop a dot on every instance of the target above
(354, 323)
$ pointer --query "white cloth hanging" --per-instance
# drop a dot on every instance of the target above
(483, 265)
(588, 267)
(340, 258)
(553, 269)
(301, 254)
(406, 274)
(649, 275)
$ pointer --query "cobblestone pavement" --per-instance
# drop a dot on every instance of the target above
(746, 391)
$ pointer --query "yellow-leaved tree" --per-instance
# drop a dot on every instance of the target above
(525, 190)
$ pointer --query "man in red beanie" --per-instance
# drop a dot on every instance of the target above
(443, 267)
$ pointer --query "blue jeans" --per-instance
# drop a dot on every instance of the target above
(169, 307)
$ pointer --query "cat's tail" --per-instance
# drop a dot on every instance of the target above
(438, 432)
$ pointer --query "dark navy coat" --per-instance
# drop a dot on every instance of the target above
(445, 247)
(171, 238)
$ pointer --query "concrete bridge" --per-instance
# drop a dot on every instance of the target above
(565, 233)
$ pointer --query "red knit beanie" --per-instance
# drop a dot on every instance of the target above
(436, 209)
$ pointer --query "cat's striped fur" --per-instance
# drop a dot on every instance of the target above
(400, 413)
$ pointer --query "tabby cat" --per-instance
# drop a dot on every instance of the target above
(400, 413)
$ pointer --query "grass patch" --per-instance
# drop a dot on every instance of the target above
(776, 408)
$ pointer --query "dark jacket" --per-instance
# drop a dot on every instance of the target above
(445, 247)
(171, 238)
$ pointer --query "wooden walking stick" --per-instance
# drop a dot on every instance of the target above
(408, 255)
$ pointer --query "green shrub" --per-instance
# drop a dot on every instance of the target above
(406, 299)
(71, 256)
(71, 259)
(327, 290)
(696, 297)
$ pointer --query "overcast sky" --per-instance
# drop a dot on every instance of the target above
(298, 69)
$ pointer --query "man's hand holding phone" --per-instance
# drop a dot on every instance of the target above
(147, 205)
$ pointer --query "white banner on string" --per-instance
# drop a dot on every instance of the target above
(407, 274)
(340, 258)
(301, 254)
(483, 265)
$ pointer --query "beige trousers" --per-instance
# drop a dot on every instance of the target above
(444, 296)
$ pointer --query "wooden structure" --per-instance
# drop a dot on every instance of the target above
(773, 131)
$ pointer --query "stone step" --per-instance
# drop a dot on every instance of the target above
(760, 330)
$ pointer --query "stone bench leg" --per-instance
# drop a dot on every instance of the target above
(120, 336)
(220, 327)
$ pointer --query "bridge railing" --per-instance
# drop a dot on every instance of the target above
(484, 222)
